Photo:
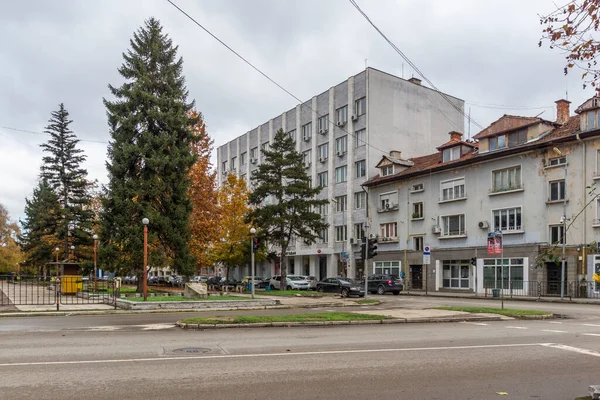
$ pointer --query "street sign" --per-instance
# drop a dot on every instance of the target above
(426, 249)
(426, 259)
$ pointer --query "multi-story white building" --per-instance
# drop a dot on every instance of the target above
(342, 133)
(522, 177)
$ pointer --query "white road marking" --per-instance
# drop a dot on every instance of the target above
(103, 328)
(286, 354)
(553, 330)
(554, 322)
(474, 323)
(596, 325)
(516, 327)
(573, 349)
(591, 334)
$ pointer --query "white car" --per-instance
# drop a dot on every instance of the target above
(294, 282)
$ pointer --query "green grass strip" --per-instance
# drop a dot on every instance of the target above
(509, 312)
(367, 301)
(181, 298)
(243, 319)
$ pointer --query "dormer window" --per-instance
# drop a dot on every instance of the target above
(451, 154)
(592, 120)
(387, 170)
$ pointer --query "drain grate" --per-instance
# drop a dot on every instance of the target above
(192, 350)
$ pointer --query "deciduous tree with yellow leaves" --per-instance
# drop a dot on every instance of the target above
(231, 249)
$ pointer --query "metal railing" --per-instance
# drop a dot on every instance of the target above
(539, 289)
(19, 290)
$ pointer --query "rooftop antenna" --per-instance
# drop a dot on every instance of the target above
(540, 114)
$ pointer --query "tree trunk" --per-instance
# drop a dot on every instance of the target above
(283, 268)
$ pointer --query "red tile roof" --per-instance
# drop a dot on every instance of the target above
(433, 162)
(508, 123)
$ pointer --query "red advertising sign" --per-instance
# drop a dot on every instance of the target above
(491, 243)
(498, 244)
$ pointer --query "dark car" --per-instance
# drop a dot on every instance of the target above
(384, 283)
(152, 280)
(213, 280)
(344, 286)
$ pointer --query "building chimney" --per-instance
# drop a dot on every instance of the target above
(562, 111)
(414, 80)
(396, 154)
(455, 136)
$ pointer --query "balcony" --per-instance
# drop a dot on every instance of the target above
(506, 190)
(453, 235)
(513, 230)
(456, 197)
(388, 239)
(388, 207)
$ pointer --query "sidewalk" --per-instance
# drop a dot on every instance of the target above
(471, 295)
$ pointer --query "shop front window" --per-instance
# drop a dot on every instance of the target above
(456, 274)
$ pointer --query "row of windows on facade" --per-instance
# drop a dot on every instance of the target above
(456, 274)
(341, 148)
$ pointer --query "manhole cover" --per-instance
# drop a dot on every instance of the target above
(192, 350)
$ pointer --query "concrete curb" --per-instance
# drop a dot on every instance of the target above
(532, 299)
(532, 317)
(183, 325)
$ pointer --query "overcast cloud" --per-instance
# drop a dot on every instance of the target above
(69, 51)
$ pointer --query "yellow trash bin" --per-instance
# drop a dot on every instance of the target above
(70, 284)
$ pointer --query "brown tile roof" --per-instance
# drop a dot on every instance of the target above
(434, 161)
(451, 143)
(508, 123)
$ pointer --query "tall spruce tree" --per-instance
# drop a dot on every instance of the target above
(150, 156)
(284, 198)
(62, 170)
(43, 218)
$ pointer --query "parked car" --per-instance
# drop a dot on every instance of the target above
(384, 283)
(264, 283)
(153, 280)
(230, 282)
(344, 286)
(199, 278)
(213, 280)
(130, 279)
(256, 280)
(293, 282)
(312, 282)
(175, 280)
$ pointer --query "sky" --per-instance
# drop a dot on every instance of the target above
(68, 51)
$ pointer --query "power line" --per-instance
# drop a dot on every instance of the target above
(506, 107)
(415, 68)
(47, 134)
(265, 75)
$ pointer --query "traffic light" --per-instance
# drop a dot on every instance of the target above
(363, 249)
(372, 249)
(255, 244)
(473, 261)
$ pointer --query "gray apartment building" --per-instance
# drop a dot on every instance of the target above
(343, 132)
(531, 179)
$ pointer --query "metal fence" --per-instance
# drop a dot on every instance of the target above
(518, 288)
(19, 290)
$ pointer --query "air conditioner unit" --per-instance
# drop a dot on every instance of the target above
(483, 225)
(353, 241)
(340, 153)
(306, 138)
(354, 117)
(322, 159)
(322, 131)
(307, 165)
(253, 160)
(387, 206)
(224, 172)
(341, 123)
(436, 229)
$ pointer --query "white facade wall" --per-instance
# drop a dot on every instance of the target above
(400, 115)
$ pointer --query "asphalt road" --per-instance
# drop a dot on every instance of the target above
(145, 357)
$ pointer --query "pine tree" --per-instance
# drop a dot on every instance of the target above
(62, 170)
(150, 156)
(43, 218)
(285, 198)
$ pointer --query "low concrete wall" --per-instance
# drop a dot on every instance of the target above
(189, 305)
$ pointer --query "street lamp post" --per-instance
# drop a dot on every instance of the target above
(252, 233)
(145, 221)
(57, 251)
(95, 259)
(73, 252)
